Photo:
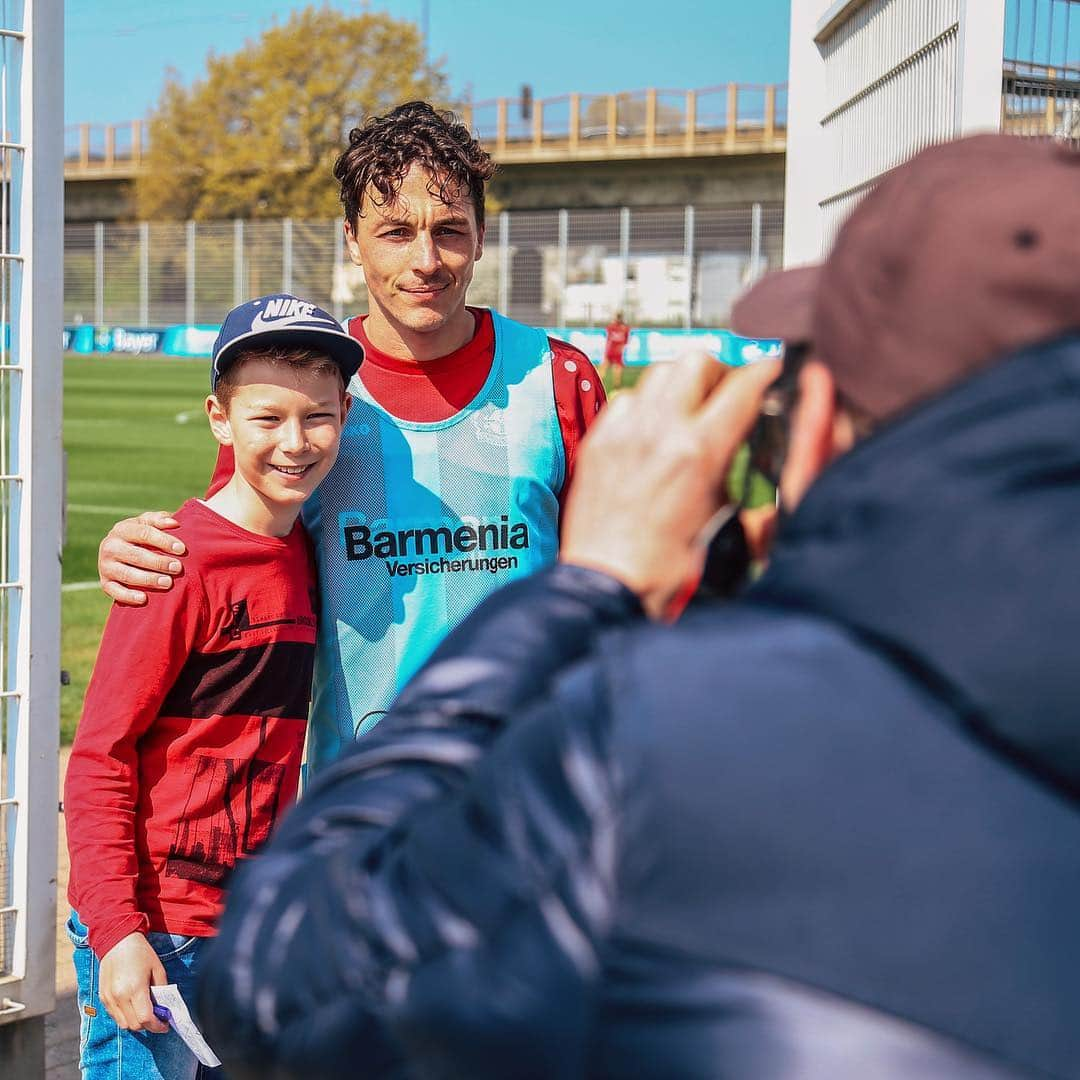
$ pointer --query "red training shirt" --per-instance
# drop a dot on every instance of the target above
(617, 334)
(192, 732)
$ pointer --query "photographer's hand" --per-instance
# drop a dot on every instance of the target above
(650, 474)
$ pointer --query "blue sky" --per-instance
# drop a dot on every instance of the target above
(117, 51)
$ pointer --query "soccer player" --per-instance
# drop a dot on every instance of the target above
(616, 337)
(193, 726)
(459, 446)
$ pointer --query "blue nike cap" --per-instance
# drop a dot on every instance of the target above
(281, 319)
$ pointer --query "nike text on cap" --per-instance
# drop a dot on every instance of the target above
(959, 257)
(281, 319)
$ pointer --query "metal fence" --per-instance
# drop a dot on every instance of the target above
(1041, 82)
(663, 266)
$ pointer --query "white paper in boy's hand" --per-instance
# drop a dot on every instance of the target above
(170, 998)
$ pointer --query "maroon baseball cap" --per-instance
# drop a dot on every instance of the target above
(964, 254)
(779, 305)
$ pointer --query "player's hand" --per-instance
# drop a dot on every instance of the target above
(651, 473)
(128, 970)
(130, 558)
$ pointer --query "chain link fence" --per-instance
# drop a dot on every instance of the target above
(662, 266)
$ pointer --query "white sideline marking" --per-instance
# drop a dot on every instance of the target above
(96, 508)
(80, 586)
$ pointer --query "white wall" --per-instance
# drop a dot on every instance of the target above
(871, 82)
(982, 47)
(806, 183)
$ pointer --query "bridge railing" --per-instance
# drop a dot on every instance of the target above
(1037, 99)
(716, 116)
(95, 146)
(713, 118)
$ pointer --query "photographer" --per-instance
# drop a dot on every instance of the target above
(828, 830)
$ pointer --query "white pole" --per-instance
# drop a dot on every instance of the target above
(688, 255)
(286, 255)
(33, 607)
(755, 241)
(144, 273)
(99, 273)
(624, 256)
(339, 269)
(189, 296)
(504, 262)
(238, 263)
(809, 164)
(981, 48)
(564, 238)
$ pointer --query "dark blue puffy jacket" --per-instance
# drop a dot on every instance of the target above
(829, 831)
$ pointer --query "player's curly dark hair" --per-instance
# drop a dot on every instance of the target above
(383, 148)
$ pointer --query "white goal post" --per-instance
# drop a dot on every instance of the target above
(31, 274)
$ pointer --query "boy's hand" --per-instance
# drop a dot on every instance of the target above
(128, 970)
(127, 562)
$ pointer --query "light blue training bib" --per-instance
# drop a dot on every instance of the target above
(417, 523)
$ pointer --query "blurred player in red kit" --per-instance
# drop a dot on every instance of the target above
(617, 335)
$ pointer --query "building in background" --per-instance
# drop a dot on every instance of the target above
(664, 203)
(873, 81)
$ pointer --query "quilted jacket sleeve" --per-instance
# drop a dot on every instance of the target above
(434, 902)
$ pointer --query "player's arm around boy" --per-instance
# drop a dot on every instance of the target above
(193, 726)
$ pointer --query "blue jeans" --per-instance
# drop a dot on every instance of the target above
(108, 1052)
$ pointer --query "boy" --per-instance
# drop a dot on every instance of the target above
(193, 726)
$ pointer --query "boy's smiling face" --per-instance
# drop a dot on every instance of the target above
(284, 425)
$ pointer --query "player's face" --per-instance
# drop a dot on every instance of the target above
(284, 427)
(417, 254)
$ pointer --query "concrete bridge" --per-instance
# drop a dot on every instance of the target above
(721, 145)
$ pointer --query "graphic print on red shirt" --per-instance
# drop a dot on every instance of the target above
(192, 732)
(231, 807)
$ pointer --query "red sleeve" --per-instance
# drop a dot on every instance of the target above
(143, 650)
(223, 470)
(579, 396)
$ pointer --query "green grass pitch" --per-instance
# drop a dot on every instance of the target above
(135, 438)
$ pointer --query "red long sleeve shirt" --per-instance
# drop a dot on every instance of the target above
(192, 732)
